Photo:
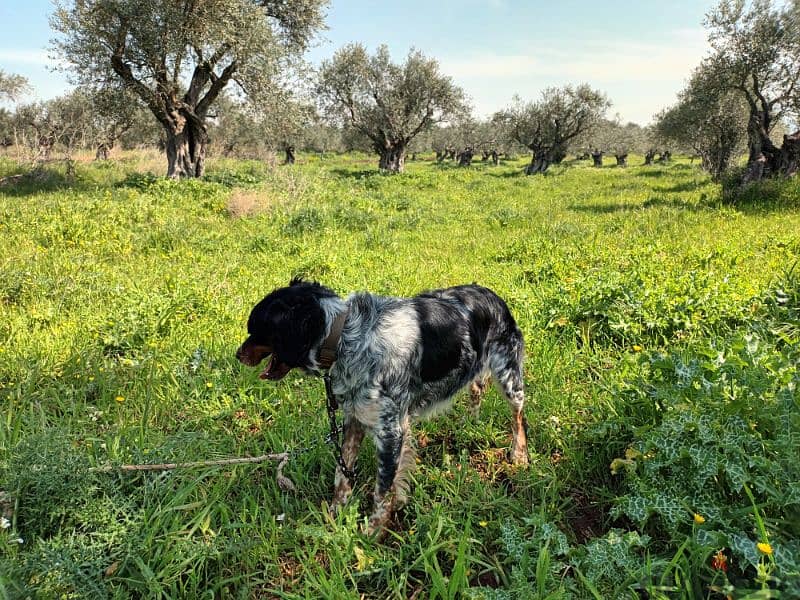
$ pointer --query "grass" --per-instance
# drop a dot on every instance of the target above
(123, 297)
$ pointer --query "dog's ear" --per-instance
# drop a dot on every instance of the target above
(295, 330)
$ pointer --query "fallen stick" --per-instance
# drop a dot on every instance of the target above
(281, 458)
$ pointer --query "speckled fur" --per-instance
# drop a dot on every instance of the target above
(400, 359)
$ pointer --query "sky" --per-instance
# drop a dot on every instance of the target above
(639, 52)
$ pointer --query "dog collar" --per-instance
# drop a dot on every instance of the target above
(327, 352)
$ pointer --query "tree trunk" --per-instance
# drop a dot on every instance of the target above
(290, 158)
(539, 164)
(649, 156)
(597, 158)
(495, 158)
(622, 159)
(465, 158)
(46, 143)
(665, 156)
(790, 154)
(186, 151)
(392, 159)
(103, 150)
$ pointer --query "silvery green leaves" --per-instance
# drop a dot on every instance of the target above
(389, 103)
(728, 424)
(177, 58)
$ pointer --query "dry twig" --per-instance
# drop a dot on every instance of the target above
(281, 458)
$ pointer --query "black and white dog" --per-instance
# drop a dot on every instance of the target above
(391, 360)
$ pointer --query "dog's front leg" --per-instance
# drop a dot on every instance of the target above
(342, 487)
(395, 460)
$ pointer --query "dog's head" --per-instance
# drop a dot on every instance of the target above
(285, 326)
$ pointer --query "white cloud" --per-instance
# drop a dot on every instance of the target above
(640, 77)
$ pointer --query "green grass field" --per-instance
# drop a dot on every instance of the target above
(663, 337)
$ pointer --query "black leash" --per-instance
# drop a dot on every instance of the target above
(334, 436)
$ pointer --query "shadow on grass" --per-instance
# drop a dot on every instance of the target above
(356, 173)
(513, 174)
(39, 180)
(652, 171)
(765, 197)
(655, 202)
(686, 186)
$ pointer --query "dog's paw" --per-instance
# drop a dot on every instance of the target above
(336, 506)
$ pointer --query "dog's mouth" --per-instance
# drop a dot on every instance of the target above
(275, 369)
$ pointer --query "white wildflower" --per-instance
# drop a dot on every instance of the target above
(4, 523)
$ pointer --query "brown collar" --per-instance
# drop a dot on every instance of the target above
(327, 352)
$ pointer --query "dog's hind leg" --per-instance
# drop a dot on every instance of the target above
(477, 389)
(506, 363)
(342, 487)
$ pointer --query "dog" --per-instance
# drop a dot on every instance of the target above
(391, 361)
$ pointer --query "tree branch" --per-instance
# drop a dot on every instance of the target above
(282, 458)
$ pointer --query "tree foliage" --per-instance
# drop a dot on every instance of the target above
(708, 121)
(547, 126)
(757, 56)
(177, 57)
(12, 86)
(62, 124)
(388, 103)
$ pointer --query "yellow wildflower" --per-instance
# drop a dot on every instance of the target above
(120, 398)
(699, 519)
(637, 348)
(764, 548)
(483, 523)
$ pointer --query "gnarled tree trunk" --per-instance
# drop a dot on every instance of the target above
(465, 158)
(495, 158)
(790, 154)
(539, 164)
(597, 158)
(186, 150)
(392, 159)
(103, 150)
(622, 159)
(290, 157)
(649, 156)
(765, 158)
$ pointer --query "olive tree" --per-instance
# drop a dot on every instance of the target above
(63, 123)
(707, 120)
(388, 103)
(112, 112)
(756, 55)
(251, 130)
(177, 57)
(546, 127)
(12, 86)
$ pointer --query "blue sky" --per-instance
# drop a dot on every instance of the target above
(638, 52)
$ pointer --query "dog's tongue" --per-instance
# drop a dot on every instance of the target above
(275, 370)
